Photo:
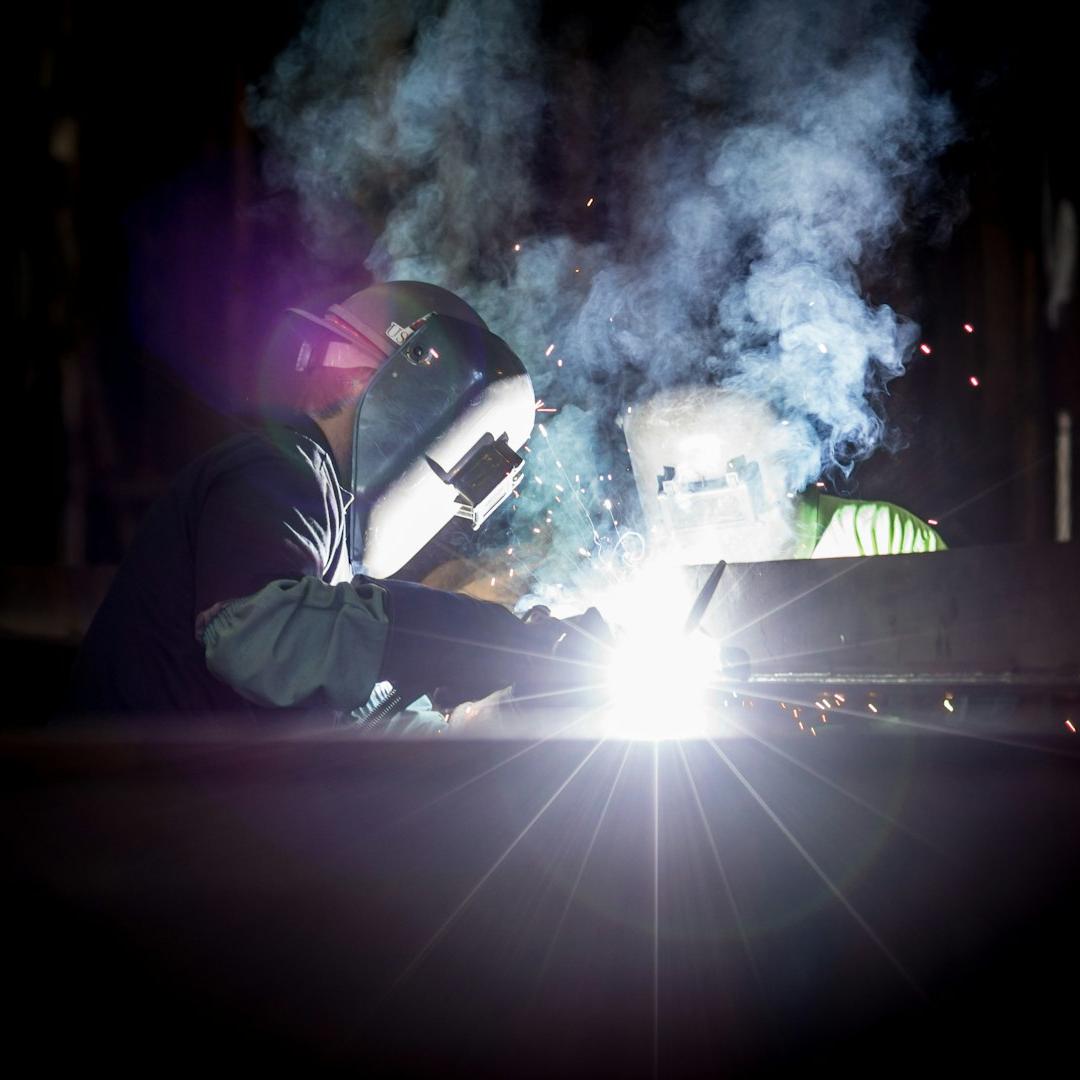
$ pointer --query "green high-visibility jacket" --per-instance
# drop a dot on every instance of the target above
(831, 528)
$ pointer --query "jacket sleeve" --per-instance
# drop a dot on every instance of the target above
(875, 528)
(300, 643)
(307, 643)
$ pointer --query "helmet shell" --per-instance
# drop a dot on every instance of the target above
(383, 313)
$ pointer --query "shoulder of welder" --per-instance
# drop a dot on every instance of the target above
(886, 528)
(287, 451)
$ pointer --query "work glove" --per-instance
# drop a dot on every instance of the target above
(574, 671)
(455, 648)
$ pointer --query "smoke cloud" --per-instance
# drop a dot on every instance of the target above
(785, 146)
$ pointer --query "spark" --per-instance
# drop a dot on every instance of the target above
(559, 487)
(840, 698)
(925, 349)
(813, 730)
(543, 430)
(548, 410)
(511, 571)
(822, 347)
(974, 380)
(536, 529)
(1071, 726)
(538, 480)
(969, 328)
(871, 706)
(820, 484)
(582, 552)
(493, 582)
(931, 521)
(607, 504)
(590, 202)
(517, 247)
(629, 409)
(558, 363)
(948, 705)
(549, 350)
(509, 551)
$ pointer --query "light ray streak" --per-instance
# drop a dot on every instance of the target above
(656, 912)
(960, 733)
(828, 882)
(836, 787)
(935, 729)
(485, 877)
(584, 862)
(1039, 461)
(577, 688)
(855, 564)
(486, 772)
(723, 873)
(881, 717)
(862, 643)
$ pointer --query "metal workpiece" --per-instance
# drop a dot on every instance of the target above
(989, 616)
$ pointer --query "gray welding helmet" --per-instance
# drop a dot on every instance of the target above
(440, 425)
(713, 468)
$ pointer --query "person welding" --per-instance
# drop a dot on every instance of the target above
(262, 580)
(713, 468)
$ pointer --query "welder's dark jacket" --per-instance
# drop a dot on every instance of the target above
(237, 595)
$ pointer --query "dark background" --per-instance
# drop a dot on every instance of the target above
(149, 258)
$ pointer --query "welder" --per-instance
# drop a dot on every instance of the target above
(261, 582)
(718, 473)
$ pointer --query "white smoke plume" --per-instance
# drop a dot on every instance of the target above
(792, 144)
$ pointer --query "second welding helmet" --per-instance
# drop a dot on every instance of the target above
(439, 427)
(712, 469)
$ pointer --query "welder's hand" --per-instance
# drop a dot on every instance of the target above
(456, 648)
(534, 644)
(574, 672)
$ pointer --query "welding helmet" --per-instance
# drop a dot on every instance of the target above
(712, 468)
(440, 424)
